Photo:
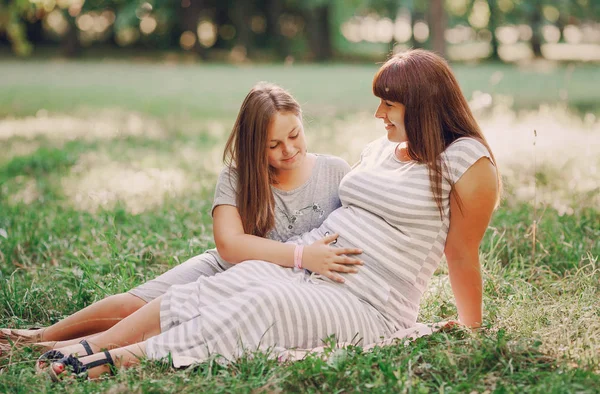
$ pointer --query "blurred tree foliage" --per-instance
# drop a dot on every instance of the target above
(271, 28)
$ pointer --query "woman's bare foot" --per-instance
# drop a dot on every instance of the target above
(43, 346)
(77, 350)
(24, 335)
(99, 363)
(4, 349)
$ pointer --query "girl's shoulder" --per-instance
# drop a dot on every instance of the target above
(332, 162)
(228, 171)
(228, 175)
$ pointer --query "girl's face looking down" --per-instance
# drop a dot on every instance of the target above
(392, 114)
(286, 145)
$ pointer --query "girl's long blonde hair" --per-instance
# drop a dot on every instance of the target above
(246, 154)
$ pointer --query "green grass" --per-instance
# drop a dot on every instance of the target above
(203, 90)
(75, 234)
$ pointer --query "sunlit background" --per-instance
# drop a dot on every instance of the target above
(114, 115)
(109, 72)
(238, 31)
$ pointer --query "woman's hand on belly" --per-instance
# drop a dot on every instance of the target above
(328, 261)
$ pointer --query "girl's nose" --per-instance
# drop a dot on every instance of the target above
(287, 148)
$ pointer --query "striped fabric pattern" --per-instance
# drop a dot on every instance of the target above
(387, 210)
(258, 305)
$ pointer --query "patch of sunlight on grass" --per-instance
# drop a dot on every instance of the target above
(535, 304)
(26, 191)
(217, 129)
(97, 182)
(559, 311)
(206, 161)
(211, 160)
(17, 148)
(103, 124)
(562, 162)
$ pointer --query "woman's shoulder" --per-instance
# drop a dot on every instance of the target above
(467, 146)
(461, 154)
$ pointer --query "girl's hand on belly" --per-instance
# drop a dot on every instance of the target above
(328, 261)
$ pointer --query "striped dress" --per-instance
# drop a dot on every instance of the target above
(388, 210)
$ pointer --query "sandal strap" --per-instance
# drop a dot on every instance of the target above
(106, 360)
(51, 355)
(73, 362)
(87, 347)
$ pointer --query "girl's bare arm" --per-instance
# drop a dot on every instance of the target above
(235, 246)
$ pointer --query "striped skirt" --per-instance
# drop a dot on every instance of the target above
(259, 305)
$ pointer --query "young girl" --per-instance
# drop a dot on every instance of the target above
(270, 190)
(427, 188)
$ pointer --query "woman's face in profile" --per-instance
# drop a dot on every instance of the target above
(392, 114)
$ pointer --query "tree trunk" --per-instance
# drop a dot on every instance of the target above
(241, 15)
(437, 26)
(319, 33)
(277, 41)
(414, 17)
(221, 18)
(35, 32)
(492, 25)
(70, 45)
(536, 27)
(392, 13)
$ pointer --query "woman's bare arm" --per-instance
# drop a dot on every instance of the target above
(478, 192)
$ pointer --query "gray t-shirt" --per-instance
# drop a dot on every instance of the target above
(296, 211)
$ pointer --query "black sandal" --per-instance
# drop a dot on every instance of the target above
(72, 367)
(55, 355)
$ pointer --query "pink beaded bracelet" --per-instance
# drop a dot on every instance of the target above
(298, 256)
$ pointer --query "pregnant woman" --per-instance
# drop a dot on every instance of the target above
(428, 188)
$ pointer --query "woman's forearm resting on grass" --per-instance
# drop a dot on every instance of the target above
(465, 278)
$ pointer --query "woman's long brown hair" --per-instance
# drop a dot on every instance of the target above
(246, 154)
(436, 114)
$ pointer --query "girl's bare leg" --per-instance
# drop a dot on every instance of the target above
(95, 318)
(135, 328)
(49, 345)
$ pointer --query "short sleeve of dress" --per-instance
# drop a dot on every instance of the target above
(225, 191)
(462, 154)
(365, 152)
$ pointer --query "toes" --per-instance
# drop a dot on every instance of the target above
(58, 368)
(41, 366)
